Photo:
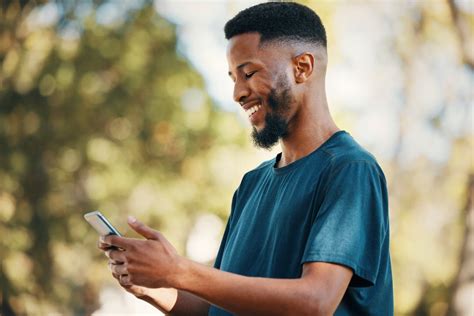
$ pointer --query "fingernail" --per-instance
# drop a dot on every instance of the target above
(132, 219)
(102, 239)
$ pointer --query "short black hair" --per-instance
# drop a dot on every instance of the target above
(278, 21)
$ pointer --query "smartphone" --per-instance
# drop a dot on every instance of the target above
(101, 224)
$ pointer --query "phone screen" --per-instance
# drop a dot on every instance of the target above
(101, 224)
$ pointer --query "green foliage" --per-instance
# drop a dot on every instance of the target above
(112, 119)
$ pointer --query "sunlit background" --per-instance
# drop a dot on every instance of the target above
(126, 107)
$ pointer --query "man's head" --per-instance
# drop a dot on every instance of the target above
(278, 21)
(276, 52)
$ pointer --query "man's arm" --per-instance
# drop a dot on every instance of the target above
(154, 263)
(175, 302)
(318, 292)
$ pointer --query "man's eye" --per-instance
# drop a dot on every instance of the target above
(250, 74)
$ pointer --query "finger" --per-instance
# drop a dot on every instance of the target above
(142, 229)
(115, 241)
(116, 256)
(127, 286)
(124, 280)
(116, 276)
(115, 262)
(103, 246)
(119, 269)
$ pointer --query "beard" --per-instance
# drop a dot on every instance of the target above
(276, 125)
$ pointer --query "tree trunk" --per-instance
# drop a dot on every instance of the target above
(462, 298)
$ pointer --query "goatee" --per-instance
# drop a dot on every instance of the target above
(276, 125)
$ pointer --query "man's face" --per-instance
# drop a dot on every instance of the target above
(261, 86)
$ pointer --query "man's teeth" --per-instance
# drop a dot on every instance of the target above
(253, 109)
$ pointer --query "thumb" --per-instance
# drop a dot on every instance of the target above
(142, 229)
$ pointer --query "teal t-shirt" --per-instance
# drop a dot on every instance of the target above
(330, 206)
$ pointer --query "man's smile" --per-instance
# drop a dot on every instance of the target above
(252, 110)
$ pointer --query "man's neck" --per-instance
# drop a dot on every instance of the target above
(311, 131)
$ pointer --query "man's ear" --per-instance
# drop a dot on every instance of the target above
(303, 66)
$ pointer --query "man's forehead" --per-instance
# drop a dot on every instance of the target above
(243, 46)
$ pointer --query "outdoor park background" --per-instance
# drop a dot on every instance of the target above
(125, 106)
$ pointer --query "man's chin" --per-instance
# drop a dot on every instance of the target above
(268, 133)
(261, 139)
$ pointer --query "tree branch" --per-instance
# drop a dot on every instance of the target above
(462, 31)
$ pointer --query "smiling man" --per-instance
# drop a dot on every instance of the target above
(308, 232)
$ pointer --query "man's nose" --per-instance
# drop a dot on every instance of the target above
(241, 92)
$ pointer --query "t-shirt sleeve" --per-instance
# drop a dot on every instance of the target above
(217, 262)
(352, 221)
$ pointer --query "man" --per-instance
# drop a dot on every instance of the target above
(308, 233)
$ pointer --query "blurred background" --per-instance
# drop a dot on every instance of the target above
(126, 107)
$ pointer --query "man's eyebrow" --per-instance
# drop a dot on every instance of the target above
(240, 66)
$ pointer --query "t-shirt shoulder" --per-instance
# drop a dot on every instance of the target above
(347, 151)
(256, 172)
(261, 167)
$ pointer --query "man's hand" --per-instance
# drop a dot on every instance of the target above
(144, 268)
(150, 263)
(138, 291)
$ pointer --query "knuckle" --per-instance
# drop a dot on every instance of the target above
(126, 280)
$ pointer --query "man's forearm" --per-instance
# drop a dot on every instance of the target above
(175, 302)
(249, 295)
(188, 304)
